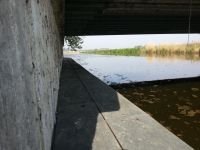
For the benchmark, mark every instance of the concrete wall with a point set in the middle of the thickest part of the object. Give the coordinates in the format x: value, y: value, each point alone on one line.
x: 30, y: 62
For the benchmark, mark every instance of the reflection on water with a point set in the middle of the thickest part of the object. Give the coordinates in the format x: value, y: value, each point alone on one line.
x: 194, y: 57
x: 175, y: 105
x: 127, y: 69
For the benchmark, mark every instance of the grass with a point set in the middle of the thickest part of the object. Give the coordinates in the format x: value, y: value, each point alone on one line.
x: 152, y: 50
x: 122, y: 52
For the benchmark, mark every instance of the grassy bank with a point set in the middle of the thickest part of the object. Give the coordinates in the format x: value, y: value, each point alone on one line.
x: 159, y: 50
x: 123, y: 52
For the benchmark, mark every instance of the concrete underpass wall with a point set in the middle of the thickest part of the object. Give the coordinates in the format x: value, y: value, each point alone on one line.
x: 30, y: 63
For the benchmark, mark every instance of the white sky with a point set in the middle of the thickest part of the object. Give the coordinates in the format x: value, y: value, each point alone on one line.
x: 129, y: 41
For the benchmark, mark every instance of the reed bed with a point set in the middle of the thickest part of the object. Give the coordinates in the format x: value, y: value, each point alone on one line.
x: 169, y: 49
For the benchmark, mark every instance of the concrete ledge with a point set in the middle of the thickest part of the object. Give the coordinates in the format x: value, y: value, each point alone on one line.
x: 91, y: 115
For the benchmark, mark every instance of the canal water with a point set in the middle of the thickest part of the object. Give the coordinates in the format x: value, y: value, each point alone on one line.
x: 173, y: 103
x: 176, y: 105
x: 129, y: 69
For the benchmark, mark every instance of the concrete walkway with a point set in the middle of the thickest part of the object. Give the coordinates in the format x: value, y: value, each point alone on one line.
x: 91, y: 115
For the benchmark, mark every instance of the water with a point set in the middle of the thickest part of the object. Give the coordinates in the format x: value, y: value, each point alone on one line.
x: 128, y: 69
x: 175, y: 105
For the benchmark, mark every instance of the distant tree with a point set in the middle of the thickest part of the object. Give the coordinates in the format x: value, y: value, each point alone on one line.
x: 74, y: 42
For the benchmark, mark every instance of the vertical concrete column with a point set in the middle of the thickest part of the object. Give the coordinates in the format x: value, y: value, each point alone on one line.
x: 30, y: 63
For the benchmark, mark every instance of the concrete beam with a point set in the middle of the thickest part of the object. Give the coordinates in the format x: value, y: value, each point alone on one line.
x: 165, y: 15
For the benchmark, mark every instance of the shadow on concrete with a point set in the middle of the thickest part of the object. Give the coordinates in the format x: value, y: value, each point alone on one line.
x: 82, y: 100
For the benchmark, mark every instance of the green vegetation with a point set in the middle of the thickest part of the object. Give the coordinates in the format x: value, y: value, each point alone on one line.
x: 152, y: 50
x: 123, y: 52
x: 73, y: 42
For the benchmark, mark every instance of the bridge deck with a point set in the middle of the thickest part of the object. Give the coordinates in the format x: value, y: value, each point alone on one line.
x: 112, y: 17
x: 91, y: 115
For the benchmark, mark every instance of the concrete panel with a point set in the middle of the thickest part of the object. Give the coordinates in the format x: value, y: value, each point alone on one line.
x: 30, y: 62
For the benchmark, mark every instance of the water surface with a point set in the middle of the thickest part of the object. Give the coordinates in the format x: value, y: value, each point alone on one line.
x: 175, y: 105
x: 128, y: 69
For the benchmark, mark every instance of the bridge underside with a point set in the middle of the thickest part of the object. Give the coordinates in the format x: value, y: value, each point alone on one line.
x: 111, y: 17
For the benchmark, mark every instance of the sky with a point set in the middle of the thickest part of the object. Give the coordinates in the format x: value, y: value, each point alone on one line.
x: 129, y: 41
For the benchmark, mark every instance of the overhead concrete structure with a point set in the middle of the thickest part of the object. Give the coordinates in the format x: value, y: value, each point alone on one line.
x: 111, y: 17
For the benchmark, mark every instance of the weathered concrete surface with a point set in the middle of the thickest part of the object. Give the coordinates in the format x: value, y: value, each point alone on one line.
x: 58, y: 8
x: 30, y: 62
x: 77, y: 117
x: 91, y: 115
